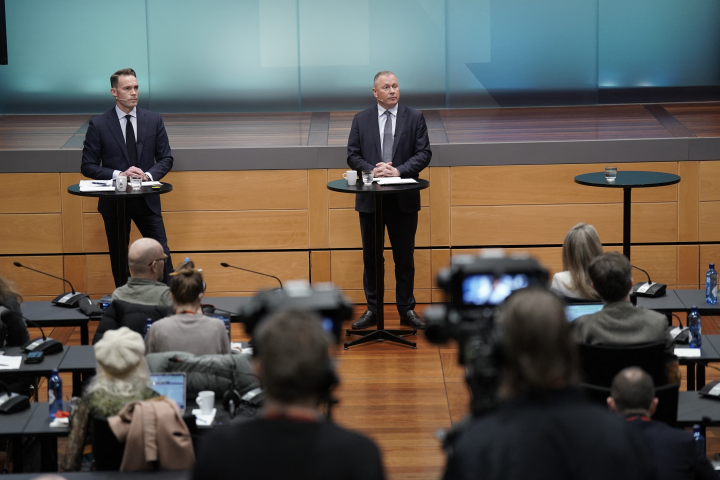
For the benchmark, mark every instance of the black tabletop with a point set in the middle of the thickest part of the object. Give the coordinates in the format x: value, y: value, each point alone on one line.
x: 39, y: 422
x: 129, y: 192
x: 696, y: 298
x: 375, y: 189
x: 45, y: 311
x: 49, y: 363
x: 627, y: 179
x: 669, y: 302
x: 692, y: 408
x: 79, y: 359
x: 14, y: 423
x: 227, y: 304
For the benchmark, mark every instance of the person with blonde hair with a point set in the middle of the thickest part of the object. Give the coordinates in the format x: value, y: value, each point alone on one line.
x: 122, y: 377
x: 580, y: 247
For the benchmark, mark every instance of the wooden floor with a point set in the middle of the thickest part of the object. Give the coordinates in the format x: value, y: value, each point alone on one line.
x: 397, y: 396
x: 236, y: 130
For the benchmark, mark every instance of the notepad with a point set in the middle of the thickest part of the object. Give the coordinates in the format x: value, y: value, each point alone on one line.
x: 688, y: 352
x: 10, y: 363
x: 394, y: 180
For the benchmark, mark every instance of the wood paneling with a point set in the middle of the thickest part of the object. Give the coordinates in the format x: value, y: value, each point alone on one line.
x: 94, y: 236
x: 347, y: 269
x: 72, y: 217
x: 320, y: 266
x: 318, y: 208
x: 709, y: 181
x: 31, y: 233
x: 29, y: 192
x: 31, y: 283
x: 74, y: 271
x: 688, y: 264
x: 440, y: 206
x: 440, y: 258
x: 98, y: 275
x: 237, y: 190
x: 688, y: 197
x: 345, y: 229
x: 708, y: 254
x: 709, y: 221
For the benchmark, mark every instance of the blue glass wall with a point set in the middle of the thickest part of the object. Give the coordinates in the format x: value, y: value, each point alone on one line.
x: 319, y: 55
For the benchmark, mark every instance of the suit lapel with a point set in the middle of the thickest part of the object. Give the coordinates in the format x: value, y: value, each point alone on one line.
x: 376, y: 131
x: 142, y: 124
x: 114, y: 123
x: 399, y: 126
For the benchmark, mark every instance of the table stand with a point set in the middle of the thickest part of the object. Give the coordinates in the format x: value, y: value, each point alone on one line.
x: 380, y: 334
x: 122, y: 241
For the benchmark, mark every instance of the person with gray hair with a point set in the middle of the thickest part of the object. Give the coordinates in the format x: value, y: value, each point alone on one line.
x: 291, y: 440
x: 146, y: 261
x: 674, y: 450
x: 544, y: 428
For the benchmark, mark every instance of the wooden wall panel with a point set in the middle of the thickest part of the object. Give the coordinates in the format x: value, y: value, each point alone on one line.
x: 237, y: 190
x: 31, y: 283
x: 318, y: 208
x: 709, y: 181
x: 94, y: 236
x: 708, y: 254
x: 31, y: 233
x: 688, y: 198
x: 345, y: 229
x: 440, y: 258
x: 98, y: 275
x: 547, y: 184
x: 440, y: 206
x: 689, y: 265
x: 347, y: 269
x: 72, y: 217
x: 74, y: 271
x: 709, y: 221
x: 320, y: 266
x: 30, y: 192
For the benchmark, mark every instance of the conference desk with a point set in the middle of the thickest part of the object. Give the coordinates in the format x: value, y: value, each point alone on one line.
x: 231, y: 305
x: 34, y: 421
x: 45, y: 314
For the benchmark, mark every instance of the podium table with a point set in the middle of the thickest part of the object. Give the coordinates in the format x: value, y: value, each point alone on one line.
x: 378, y: 192
x: 627, y: 181
x: 122, y: 233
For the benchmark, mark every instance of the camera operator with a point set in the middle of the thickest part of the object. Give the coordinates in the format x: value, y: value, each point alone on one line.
x: 543, y: 428
x: 291, y: 440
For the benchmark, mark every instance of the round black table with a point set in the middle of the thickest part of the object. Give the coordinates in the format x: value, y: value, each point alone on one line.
x: 121, y: 197
x: 377, y: 191
x: 627, y: 181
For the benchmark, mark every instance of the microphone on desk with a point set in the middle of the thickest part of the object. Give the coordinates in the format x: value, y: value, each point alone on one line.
x: 70, y: 300
x: 45, y: 344
x: 252, y: 271
x: 649, y: 289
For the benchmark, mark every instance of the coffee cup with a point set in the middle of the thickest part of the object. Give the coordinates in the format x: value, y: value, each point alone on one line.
x: 121, y: 183
x: 351, y: 177
x: 206, y: 401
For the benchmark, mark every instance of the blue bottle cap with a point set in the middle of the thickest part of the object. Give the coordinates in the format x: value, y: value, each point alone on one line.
x: 712, y: 265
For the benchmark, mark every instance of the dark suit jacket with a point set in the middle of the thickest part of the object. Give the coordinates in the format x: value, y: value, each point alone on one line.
x: 676, y: 455
x: 411, y: 151
x: 104, y: 151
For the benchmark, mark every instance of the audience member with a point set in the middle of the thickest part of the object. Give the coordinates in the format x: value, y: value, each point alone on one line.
x: 121, y: 377
x: 146, y: 261
x: 188, y: 330
x: 580, y: 247
x: 674, y: 450
x: 544, y: 428
x: 291, y: 440
x: 620, y: 322
x: 14, y: 329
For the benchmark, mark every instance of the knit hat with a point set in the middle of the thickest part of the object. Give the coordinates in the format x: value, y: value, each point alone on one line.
x: 120, y: 351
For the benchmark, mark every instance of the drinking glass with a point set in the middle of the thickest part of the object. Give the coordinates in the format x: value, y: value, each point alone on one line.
x: 610, y: 174
x: 136, y: 182
x: 367, y: 176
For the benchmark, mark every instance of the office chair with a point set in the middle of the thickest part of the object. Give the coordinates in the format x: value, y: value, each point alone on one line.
x: 600, y: 363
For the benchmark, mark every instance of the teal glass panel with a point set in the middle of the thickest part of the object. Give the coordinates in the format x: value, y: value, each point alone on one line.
x: 61, y: 54
x: 223, y: 55
x: 659, y: 43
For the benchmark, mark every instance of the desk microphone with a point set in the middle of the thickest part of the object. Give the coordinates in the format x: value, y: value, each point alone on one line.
x: 45, y: 344
x: 649, y: 289
x: 70, y: 300
x: 252, y: 271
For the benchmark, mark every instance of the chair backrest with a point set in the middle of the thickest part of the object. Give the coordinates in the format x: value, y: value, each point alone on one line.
x: 600, y: 363
x: 107, y: 450
x: 667, y: 400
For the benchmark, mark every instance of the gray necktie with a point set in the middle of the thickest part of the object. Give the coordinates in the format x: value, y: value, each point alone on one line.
x: 388, y: 138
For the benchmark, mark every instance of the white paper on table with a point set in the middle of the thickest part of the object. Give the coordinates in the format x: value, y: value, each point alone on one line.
x: 395, y: 180
x: 150, y: 184
x: 96, y: 186
x: 204, y: 419
x: 10, y: 363
x: 60, y: 422
x: 688, y: 352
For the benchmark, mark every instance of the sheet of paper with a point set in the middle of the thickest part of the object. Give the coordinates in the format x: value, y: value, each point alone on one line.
x: 395, y: 181
x: 688, y: 352
x: 204, y: 419
x: 10, y: 363
x: 150, y: 184
x: 96, y: 188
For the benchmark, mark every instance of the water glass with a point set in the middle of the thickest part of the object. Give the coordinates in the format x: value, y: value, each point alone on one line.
x: 367, y: 176
x: 610, y: 174
x: 136, y: 181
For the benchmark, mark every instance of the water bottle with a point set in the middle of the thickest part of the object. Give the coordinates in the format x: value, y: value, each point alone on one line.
x: 55, y: 393
x: 699, y: 439
x: 694, y: 326
x: 711, y: 285
x: 148, y: 324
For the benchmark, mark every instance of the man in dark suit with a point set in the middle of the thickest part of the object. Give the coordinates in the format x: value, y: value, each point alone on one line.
x: 675, y: 452
x: 129, y: 141
x: 391, y: 140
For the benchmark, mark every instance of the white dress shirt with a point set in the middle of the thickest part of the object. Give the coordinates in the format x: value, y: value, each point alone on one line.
x: 383, y: 118
x: 123, y: 127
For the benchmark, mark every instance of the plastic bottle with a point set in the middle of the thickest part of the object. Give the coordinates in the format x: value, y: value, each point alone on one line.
x: 55, y: 395
x: 711, y: 284
x: 694, y: 326
x: 699, y: 439
x: 148, y: 324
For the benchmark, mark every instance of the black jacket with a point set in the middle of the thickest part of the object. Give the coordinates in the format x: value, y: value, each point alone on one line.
x: 130, y: 315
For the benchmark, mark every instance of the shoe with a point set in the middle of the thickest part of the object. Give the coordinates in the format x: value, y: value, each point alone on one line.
x: 367, y: 319
x: 412, y: 320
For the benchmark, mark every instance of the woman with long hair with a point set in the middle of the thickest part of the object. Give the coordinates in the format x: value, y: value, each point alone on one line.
x: 580, y: 247
x: 122, y: 377
x: 15, y: 332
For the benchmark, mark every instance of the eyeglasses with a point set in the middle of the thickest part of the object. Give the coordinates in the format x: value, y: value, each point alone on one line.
x: 158, y: 260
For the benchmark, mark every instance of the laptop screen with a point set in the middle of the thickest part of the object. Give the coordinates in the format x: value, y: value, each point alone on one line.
x: 226, y: 321
x: 172, y: 385
x: 579, y: 309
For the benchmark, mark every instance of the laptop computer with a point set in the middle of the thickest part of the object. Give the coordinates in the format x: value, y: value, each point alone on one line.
x: 226, y: 321
x: 579, y: 309
x: 172, y: 385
